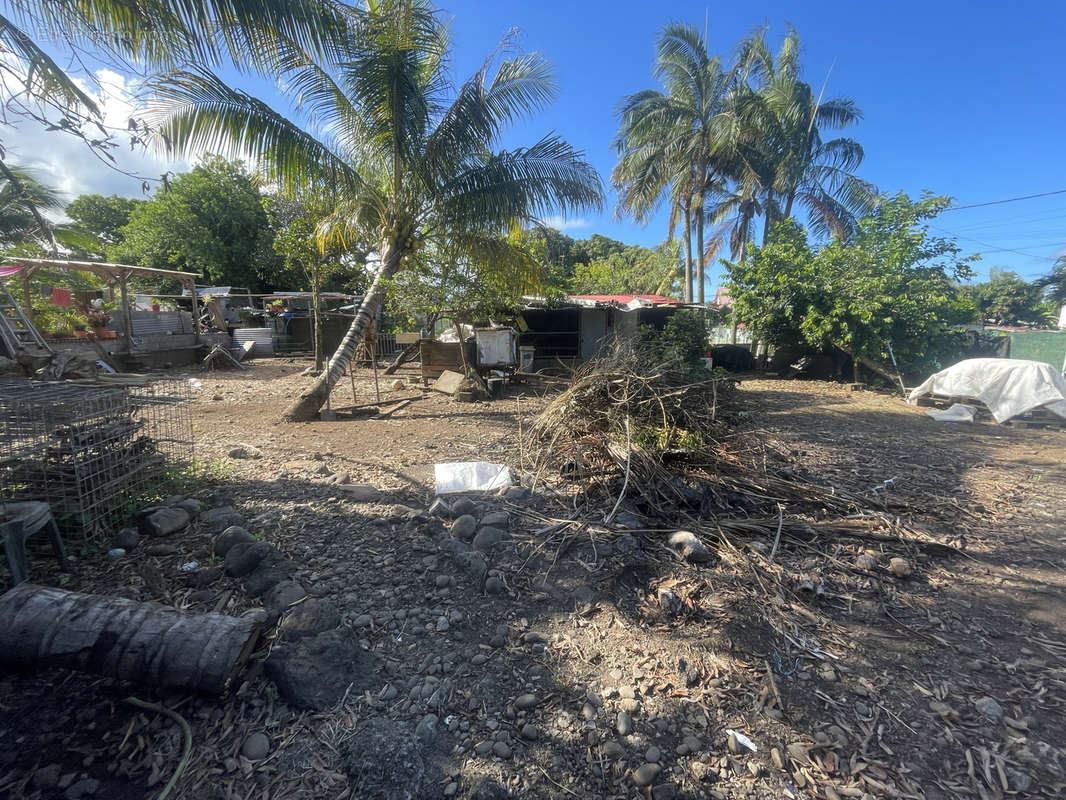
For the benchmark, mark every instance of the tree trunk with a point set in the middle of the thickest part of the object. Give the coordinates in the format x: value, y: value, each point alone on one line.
x: 788, y: 204
x: 701, y: 257
x: 766, y: 220
x: 316, y: 305
x: 146, y: 642
x: 408, y: 354
x: 687, y: 294
x: 306, y: 406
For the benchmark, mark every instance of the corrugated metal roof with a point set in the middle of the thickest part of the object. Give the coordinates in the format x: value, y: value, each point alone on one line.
x: 625, y: 299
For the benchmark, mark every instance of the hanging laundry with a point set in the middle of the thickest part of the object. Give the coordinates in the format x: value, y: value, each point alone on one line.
x: 61, y: 297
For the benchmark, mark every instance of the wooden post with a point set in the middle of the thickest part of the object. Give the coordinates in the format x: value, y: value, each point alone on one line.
x: 196, y: 327
x: 127, y: 317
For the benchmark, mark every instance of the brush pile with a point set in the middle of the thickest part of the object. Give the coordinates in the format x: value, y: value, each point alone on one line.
x: 673, y: 444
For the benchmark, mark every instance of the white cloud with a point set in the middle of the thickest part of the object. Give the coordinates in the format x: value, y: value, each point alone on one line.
x: 66, y: 163
x: 562, y: 224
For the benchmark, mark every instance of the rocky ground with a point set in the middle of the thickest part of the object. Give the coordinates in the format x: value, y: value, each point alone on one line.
x: 507, y: 646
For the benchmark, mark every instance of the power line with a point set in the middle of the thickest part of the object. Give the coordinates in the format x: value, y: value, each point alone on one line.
x: 995, y: 249
x: 1008, y: 200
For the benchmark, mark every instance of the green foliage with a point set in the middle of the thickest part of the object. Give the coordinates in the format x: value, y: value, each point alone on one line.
x: 682, y: 343
x: 632, y: 270
x: 1054, y: 284
x: 101, y: 218
x: 209, y: 221
x: 302, y: 262
x: 1008, y: 299
x: 890, y: 283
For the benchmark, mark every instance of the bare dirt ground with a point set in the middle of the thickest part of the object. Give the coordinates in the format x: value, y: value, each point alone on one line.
x: 579, y: 660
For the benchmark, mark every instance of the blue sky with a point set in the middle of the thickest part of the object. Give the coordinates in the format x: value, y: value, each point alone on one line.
x: 965, y: 99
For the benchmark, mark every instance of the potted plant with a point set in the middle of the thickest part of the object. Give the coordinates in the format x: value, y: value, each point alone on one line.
x: 98, y: 321
x: 79, y: 330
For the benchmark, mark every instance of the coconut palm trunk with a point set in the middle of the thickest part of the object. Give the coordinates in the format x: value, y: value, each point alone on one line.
x: 688, y: 256
x: 308, y: 404
x: 701, y: 257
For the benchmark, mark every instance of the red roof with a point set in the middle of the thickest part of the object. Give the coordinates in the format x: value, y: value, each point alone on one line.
x: 622, y: 299
x: 722, y: 298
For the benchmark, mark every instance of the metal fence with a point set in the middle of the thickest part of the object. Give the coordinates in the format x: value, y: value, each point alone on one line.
x: 90, y: 451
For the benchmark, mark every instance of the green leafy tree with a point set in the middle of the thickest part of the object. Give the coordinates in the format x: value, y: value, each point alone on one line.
x: 101, y: 218
x: 410, y: 158
x: 209, y: 221
x: 631, y: 270
x: 891, y: 284
x: 1008, y: 299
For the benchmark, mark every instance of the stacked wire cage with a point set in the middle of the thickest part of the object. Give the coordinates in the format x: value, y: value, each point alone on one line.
x: 88, y: 451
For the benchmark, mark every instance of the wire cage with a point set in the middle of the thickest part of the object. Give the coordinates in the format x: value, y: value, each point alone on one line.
x: 89, y: 451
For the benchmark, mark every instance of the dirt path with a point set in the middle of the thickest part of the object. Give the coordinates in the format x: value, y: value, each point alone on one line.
x: 566, y: 662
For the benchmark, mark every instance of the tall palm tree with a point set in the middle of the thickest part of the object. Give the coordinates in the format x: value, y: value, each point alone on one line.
x: 784, y: 151
x: 669, y: 141
x: 409, y: 158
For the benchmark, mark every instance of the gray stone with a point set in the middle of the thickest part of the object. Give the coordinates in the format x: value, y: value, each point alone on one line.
x: 161, y: 549
x: 47, y: 777
x: 464, y: 505
x: 473, y: 564
x: 165, y: 521
x: 488, y: 538
x: 483, y: 748
x: 494, y: 585
x: 653, y: 754
x: 629, y: 520
x: 524, y: 702
x: 245, y: 451
x: 205, y: 577
x: 612, y: 750
x: 316, y: 671
x: 256, y: 747
x: 688, y: 545
x: 126, y: 538
x: 363, y: 621
x: 231, y: 536
x: 990, y: 708
x: 359, y: 493
x: 215, y: 514
x: 202, y: 596
x: 191, y: 505
x: 530, y: 732
x: 116, y: 554
x: 645, y: 774
x: 86, y: 787
x: 284, y: 595
x: 1018, y: 781
x: 242, y: 558
x: 464, y: 527
x: 496, y: 519
x: 264, y: 578
x: 624, y: 723
x: 666, y: 791
x: 900, y: 567
x: 501, y: 749
x: 517, y: 494
x: 444, y: 581
x: 426, y: 729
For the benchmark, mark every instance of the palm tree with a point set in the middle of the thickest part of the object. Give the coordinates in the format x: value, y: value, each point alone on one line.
x: 669, y: 141
x: 783, y: 149
x: 408, y: 158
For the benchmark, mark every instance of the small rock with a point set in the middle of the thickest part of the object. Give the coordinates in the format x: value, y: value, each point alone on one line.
x: 426, y: 729
x: 629, y: 520
x: 494, y: 585
x: 645, y: 774
x: 624, y: 725
x: 47, y: 777
x: 451, y: 789
x: 126, y: 539
x: 866, y: 561
x: 284, y: 595
x: 525, y: 702
x: 664, y: 791
x: 778, y: 758
x: 464, y: 527
x: 116, y: 554
x: 588, y: 711
x: 358, y: 493
x: 444, y: 581
x: 363, y: 621
x: 86, y: 787
x: 496, y: 519
x: 501, y: 749
x: 688, y: 545
x: 900, y: 567
x: 245, y: 451
x: 256, y: 747
x: 487, y: 538
x: 397, y: 385
x: 530, y: 732
x: 990, y: 708
x: 161, y: 549
x: 205, y: 577
x: 443, y: 624
x: 192, y: 505
x: 464, y: 505
x: 693, y: 744
x: 612, y: 750
x: 439, y: 509
x: 202, y: 596
x: 1018, y: 781
x: 653, y: 755
x: 242, y: 558
x: 165, y: 521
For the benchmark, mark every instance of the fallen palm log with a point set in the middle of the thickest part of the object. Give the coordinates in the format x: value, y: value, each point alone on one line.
x: 408, y: 354
x: 149, y: 643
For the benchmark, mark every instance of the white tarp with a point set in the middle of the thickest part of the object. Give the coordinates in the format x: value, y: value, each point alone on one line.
x: 1007, y: 386
x: 470, y: 476
x: 959, y: 412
